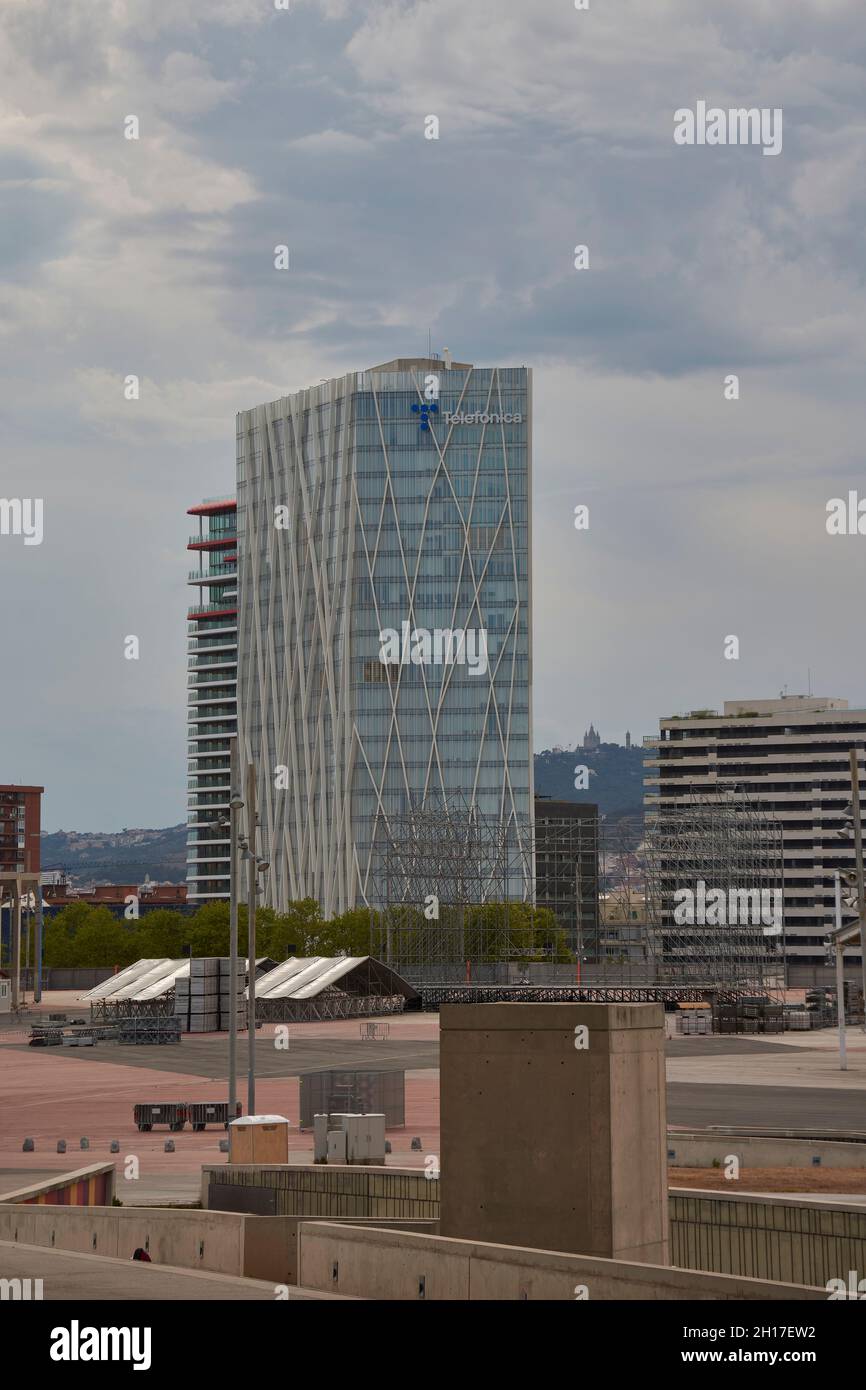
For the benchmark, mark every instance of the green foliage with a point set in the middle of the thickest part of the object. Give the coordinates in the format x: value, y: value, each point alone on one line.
x: 346, y: 935
x: 615, y: 777
x: 299, y: 929
x: 207, y: 930
x: 84, y: 935
x: 158, y: 933
x: 497, y: 931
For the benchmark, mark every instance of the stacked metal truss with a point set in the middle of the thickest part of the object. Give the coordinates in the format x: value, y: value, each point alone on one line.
x: 725, y: 840
x: 117, y: 1009
x: 203, y: 1001
x: 148, y: 1028
x: 329, y: 1005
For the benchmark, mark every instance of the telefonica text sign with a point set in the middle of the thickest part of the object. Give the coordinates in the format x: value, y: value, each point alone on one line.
x: 478, y: 417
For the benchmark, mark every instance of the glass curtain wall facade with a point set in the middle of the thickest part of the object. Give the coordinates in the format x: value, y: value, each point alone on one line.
x: 211, y: 697
x: 384, y: 626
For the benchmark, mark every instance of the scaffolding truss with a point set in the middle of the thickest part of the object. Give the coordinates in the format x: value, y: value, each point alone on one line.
x: 440, y: 869
x: 452, y: 911
x: 714, y: 893
x: 328, y: 1006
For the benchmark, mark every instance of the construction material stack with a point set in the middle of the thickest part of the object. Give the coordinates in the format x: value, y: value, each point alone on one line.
x: 181, y: 1002
x: 226, y: 1002
x: 204, y: 1000
x: 204, y: 994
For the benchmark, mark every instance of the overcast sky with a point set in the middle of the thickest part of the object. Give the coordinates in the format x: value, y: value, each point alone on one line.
x: 260, y: 127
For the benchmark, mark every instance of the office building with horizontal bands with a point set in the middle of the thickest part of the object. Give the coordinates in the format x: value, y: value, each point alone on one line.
x: 211, y: 696
x: 566, y: 869
x: 790, y: 757
x: 384, y: 626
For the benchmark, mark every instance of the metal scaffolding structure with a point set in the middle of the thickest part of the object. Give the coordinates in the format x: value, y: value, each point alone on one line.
x: 447, y: 875
x: 447, y: 917
x: 714, y: 885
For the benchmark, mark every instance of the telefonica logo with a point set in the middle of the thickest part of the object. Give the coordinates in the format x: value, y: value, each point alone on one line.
x: 478, y: 417
x: 425, y: 411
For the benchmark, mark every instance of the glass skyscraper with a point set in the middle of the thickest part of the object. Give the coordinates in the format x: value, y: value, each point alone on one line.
x: 384, y: 630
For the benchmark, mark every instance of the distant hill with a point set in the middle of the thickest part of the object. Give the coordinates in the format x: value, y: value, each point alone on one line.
x: 615, y: 777
x: 128, y: 856
x: 125, y: 856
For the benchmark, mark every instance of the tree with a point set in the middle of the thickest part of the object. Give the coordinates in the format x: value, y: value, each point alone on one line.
x: 58, y: 945
x: 299, y: 927
x: 207, y: 930
x: 346, y: 935
x: 103, y: 940
x: 160, y: 933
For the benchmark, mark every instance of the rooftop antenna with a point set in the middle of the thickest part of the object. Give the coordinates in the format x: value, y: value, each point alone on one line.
x: 809, y: 678
x: 429, y: 344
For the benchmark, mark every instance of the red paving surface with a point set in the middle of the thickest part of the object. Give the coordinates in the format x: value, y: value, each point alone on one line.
x: 46, y: 1095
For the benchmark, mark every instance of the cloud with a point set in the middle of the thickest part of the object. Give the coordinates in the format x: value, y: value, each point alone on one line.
x: 155, y: 258
x: 325, y: 142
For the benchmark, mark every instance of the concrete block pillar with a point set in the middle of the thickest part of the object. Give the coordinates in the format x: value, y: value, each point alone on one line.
x: 553, y: 1127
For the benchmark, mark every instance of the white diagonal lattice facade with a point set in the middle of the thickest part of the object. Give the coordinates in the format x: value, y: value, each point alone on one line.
x: 392, y: 501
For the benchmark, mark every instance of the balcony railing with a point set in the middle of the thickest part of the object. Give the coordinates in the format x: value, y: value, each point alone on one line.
x: 212, y: 576
x: 211, y: 645
x: 203, y: 608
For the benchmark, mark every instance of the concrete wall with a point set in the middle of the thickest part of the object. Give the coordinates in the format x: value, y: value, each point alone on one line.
x: 271, y: 1248
x: 402, y: 1194
x: 780, y: 1238
x: 189, y: 1239
x: 799, y: 1240
x: 92, y: 1186
x: 699, y: 1150
x: 257, y: 1247
x: 552, y: 1145
x: 394, y: 1265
